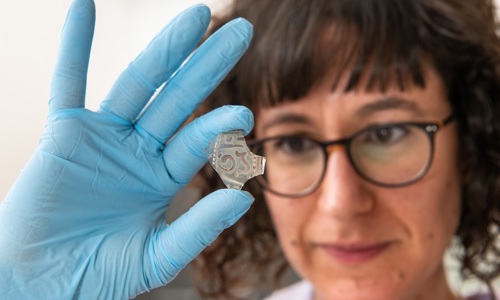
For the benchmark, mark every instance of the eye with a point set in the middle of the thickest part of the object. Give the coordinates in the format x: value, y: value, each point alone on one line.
x: 294, y: 145
x: 386, y: 136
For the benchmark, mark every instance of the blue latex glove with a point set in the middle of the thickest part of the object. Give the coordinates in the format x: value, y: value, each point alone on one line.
x: 86, y: 217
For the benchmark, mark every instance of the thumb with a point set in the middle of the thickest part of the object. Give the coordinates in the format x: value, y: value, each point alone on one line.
x: 181, y: 242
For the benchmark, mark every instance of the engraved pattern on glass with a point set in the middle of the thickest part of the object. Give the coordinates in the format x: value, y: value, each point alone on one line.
x: 231, y: 158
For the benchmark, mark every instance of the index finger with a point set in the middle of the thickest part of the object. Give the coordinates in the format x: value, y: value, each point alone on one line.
x: 69, y: 80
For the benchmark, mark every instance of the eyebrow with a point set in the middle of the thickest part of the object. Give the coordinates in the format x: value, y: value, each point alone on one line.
x: 287, y: 118
x: 386, y: 104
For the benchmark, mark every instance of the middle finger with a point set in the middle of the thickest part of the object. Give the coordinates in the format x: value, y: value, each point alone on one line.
x: 196, y: 80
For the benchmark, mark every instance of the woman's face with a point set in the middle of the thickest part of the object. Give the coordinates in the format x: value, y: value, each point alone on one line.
x: 350, y: 238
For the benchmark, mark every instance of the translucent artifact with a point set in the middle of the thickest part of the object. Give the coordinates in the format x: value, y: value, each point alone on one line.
x: 231, y: 158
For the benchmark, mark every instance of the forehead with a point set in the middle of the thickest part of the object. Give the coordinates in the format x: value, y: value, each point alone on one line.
x: 324, y: 105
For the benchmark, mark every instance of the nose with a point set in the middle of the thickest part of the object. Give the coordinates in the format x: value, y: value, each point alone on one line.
x: 343, y: 193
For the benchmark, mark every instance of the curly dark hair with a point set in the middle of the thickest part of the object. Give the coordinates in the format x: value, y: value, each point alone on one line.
x: 297, y: 43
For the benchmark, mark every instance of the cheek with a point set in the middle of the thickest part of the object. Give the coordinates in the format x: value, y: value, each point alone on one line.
x: 444, y: 193
x: 286, y: 217
x: 432, y: 210
x: 435, y: 200
x: 290, y: 218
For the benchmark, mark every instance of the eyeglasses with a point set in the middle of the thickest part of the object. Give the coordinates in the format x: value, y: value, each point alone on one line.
x: 388, y: 155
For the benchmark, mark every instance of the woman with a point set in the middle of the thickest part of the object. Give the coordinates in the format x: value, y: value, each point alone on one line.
x: 379, y: 121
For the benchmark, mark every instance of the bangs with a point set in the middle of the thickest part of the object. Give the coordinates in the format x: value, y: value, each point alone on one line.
x: 367, y: 44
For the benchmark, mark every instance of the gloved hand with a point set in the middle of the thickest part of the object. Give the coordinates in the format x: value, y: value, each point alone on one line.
x: 86, y: 217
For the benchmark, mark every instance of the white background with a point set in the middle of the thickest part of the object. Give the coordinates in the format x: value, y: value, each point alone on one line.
x: 29, y: 38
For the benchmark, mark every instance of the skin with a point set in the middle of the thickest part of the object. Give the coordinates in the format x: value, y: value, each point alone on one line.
x: 413, y: 225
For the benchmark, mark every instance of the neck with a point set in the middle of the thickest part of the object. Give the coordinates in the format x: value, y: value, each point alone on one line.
x: 434, y: 287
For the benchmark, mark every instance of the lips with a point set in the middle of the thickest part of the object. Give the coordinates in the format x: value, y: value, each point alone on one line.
x: 355, y: 253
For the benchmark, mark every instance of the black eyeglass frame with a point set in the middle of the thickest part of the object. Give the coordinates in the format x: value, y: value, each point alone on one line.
x: 431, y: 128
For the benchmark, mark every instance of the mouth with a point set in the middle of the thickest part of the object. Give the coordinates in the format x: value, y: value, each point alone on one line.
x: 353, y: 254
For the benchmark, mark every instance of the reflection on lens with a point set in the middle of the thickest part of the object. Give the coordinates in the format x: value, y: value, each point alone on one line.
x: 294, y: 165
x: 396, y: 162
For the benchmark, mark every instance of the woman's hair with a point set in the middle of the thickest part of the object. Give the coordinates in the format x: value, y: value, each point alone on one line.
x: 298, y: 43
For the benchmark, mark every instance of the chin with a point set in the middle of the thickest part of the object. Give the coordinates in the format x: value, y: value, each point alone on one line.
x: 359, y: 287
x: 353, y: 291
